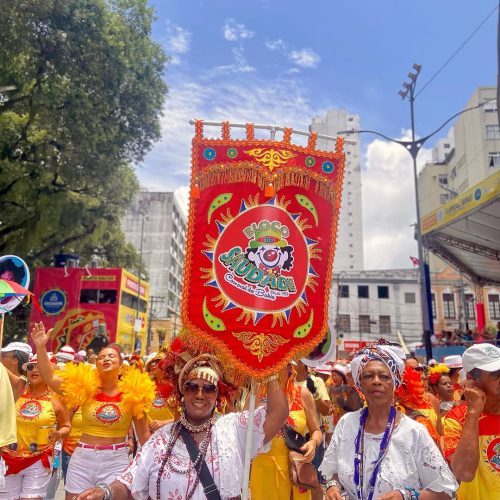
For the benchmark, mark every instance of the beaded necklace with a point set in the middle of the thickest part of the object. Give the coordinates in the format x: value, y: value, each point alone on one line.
x: 359, y: 453
x: 200, y: 458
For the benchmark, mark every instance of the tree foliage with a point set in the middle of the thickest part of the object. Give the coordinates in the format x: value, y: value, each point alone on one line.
x: 86, y: 109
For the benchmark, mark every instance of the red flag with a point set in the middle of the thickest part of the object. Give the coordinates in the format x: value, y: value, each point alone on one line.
x: 414, y: 261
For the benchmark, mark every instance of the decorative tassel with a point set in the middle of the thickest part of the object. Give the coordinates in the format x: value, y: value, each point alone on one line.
x: 269, y: 191
x: 195, y: 192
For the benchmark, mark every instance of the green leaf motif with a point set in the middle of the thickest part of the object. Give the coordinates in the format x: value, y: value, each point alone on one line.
x: 305, y: 202
x: 212, y: 321
x: 218, y: 202
x: 303, y: 331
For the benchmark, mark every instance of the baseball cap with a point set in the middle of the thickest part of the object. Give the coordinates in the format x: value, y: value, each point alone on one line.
x: 66, y: 353
x: 34, y: 360
x: 453, y: 361
x: 18, y: 346
x: 324, y: 369
x: 432, y: 362
x: 340, y: 368
x: 483, y: 356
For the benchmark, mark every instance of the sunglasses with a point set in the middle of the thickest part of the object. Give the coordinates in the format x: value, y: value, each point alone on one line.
x: 31, y: 366
x: 192, y: 388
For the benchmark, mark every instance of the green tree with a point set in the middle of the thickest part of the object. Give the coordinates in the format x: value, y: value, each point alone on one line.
x: 86, y: 109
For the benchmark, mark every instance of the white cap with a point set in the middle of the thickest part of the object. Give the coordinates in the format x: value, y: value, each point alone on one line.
x: 337, y: 367
x: 66, y: 353
x: 483, y: 356
x: 82, y: 353
x: 453, y: 361
x: 432, y: 362
x: 324, y: 369
x: 18, y: 346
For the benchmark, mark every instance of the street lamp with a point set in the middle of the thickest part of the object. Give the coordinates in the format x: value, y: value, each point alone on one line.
x: 137, y: 324
x: 413, y: 147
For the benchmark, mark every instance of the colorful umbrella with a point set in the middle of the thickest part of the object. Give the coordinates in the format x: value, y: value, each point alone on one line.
x: 11, y: 291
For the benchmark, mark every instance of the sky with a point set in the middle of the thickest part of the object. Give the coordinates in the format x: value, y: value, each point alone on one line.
x: 284, y: 62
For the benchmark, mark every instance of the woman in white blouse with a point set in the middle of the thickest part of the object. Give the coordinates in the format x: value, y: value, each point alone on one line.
x: 377, y: 453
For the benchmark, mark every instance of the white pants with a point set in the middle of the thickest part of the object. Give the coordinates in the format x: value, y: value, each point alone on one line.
x: 87, y: 468
x: 29, y: 483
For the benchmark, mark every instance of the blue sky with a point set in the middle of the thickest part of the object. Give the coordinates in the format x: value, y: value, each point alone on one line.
x: 284, y: 62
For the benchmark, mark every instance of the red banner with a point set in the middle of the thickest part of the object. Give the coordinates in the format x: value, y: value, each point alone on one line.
x: 260, y: 246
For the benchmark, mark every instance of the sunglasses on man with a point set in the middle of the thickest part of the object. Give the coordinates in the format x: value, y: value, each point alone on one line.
x: 192, y: 388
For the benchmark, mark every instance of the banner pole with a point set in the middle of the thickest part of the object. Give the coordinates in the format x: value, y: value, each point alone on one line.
x: 248, y: 443
x: 1, y: 328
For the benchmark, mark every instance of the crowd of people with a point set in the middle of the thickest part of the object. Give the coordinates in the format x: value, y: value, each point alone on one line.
x: 465, y: 337
x: 173, y: 425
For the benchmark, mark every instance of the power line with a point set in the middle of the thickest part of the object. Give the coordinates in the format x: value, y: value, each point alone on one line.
x: 462, y: 45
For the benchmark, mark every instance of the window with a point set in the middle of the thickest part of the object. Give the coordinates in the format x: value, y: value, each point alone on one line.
x: 410, y: 298
x: 363, y: 292
x: 384, y: 324
x: 491, y: 106
x: 494, y: 159
x: 364, y: 324
x: 446, y: 145
x: 443, y: 179
x: 383, y: 292
x: 433, y: 303
x: 448, y: 306
x: 443, y: 198
x: 344, y: 323
x: 492, y: 131
x: 469, y: 306
x: 129, y: 300
x: 494, y: 306
x: 94, y: 296
x: 344, y: 291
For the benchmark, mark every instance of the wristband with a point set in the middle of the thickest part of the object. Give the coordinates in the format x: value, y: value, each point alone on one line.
x: 333, y: 483
x: 108, y: 494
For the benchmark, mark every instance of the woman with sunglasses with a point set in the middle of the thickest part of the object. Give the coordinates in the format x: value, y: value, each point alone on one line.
x: 165, y: 468
x: 41, y: 421
x: 108, y: 405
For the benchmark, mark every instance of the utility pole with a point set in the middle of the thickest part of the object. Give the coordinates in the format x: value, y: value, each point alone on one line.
x: 153, y: 300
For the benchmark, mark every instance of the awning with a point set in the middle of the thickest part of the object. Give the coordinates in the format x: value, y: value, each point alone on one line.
x: 465, y: 232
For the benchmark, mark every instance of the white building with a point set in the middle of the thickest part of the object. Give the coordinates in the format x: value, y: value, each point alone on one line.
x: 161, y: 220
x: 349, y: 250
x: 366, y: 305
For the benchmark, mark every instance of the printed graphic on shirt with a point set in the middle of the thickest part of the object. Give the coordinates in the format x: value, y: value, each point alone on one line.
x: 108, y: 413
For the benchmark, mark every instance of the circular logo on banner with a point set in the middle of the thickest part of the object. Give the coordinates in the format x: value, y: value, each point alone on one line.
x: 261, y: 260
x: 53, y: 302
x: 493, y: 453
x: 30, y: 409
x: 13, y: 268
x: 108, y: 413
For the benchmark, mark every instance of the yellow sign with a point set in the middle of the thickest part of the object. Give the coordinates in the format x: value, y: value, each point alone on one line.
x: 468, y: 201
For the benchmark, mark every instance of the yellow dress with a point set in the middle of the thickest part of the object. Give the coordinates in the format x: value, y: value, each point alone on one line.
x: 270, y: 475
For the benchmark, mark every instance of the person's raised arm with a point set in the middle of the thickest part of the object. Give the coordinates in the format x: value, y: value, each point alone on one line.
x: 40, y: 338
x: 277, y: 408
x: 465, y: 459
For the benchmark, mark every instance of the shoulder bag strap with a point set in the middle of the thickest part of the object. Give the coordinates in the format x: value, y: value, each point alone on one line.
x: 206, y: 478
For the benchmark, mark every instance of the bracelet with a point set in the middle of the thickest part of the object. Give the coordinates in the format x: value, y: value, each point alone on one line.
x: 271, y: 378
x: 404, y: 494
x: 333, y: 483
x: 414, y: 494
x: 108, y: 493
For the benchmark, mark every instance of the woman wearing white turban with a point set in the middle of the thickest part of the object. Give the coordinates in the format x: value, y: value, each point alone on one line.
x: 378, y: 453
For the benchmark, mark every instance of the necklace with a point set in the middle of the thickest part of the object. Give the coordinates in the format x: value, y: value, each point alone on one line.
x: 359, y: 453
x: 194, y: 429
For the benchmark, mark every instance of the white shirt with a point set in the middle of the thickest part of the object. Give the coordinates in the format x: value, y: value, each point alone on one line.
x: 224, y: 458
x: 412, y: 459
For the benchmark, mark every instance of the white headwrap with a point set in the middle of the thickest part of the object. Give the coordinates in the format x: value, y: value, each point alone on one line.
x: 392, y: 356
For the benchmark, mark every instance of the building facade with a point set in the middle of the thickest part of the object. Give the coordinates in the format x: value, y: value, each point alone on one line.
x: 366, y: 305
x: 349, y: 250
x: 159, y: 219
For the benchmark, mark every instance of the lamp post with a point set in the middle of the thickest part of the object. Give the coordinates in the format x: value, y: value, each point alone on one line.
x: 413, y: 147
x: 137, y: 325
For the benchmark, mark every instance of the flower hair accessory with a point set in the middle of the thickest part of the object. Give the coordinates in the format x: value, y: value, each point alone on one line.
x: 436, y: 372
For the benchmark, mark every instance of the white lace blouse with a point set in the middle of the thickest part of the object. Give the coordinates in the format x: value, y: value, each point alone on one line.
x: 412, y: 459
x: 225, y: 456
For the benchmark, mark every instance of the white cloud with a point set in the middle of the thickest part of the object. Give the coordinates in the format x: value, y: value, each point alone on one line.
x: 178, y: 39
x: 305, y: 58
x: 234, y: 31
x: 280, y: 102
x: 388, y: 199
x: 278, y: 44
x: 240, y: 64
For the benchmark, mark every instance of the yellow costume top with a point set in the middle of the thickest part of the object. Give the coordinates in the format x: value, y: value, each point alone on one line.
x: 103, y: 416
x: 160, y: 410
x: 8, y: 412
x: 35, y: 418
x: 270, y: 470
